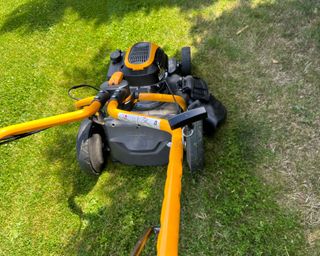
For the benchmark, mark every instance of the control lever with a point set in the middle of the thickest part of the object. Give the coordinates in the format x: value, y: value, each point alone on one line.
x: 187, y: 118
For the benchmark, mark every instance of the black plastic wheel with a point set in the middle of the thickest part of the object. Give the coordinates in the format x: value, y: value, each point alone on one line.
x: 91, y: 148
x: 186, y: 61
x: 194, y: 147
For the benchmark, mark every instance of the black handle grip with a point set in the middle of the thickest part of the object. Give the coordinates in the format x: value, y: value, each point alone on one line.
x: 187, y: 117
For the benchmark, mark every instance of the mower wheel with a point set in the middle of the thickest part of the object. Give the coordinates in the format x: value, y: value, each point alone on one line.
x: 186, y: 61
x: 91, y: 148
x: 194, y: 147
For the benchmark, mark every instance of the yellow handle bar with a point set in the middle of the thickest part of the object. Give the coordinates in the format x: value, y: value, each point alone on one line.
x: 50, y: 121
x: 143, y: 97
x: 168, y: 239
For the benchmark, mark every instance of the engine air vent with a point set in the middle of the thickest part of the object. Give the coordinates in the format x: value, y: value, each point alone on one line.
x: 139, y: 53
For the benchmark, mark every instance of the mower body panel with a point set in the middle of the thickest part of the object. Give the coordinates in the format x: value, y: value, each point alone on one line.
x: 139, y: 145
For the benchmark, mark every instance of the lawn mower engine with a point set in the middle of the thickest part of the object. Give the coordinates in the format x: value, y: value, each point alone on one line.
x: 147, y: 69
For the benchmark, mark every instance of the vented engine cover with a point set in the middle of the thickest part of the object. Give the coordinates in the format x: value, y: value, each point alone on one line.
x: 140, y: 54
x: 144, y: 64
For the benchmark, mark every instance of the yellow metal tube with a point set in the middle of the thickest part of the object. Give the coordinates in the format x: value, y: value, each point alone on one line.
x: 116, y: 113
x: 142, y: 97
x: 167, y: 243
x: 137, y: 251
x: 50, y: 121
x: 168, y: 240
x: 163, y: 98
x: 83, y: 102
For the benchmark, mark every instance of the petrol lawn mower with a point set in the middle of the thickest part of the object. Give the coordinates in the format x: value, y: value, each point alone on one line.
x: 147, y: 112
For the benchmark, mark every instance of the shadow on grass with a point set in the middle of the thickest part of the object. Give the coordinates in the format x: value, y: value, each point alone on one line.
x: 75, y: 182
x: 230, y: 210
x: 233, y: 210
x: 135, y: 201
x: 40, y: 15
x: 122, y: 204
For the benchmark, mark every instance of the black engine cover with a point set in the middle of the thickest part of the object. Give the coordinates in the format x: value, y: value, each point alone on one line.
x: 138, y: 55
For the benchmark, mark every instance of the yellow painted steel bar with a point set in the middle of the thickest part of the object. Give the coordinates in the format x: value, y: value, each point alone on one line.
x: 142, y: 97
x: 137, y: 251
x: 50, y: 121
x: 116, y: 113
x: 83, y: 102
x: 163, y: 98
x: 168, y: 240
x: 167, y: 243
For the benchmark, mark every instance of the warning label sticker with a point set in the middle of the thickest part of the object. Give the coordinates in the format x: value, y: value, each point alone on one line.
x: 141, y: 120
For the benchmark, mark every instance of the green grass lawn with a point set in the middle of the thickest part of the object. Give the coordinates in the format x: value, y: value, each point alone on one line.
x: 259, y: 194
